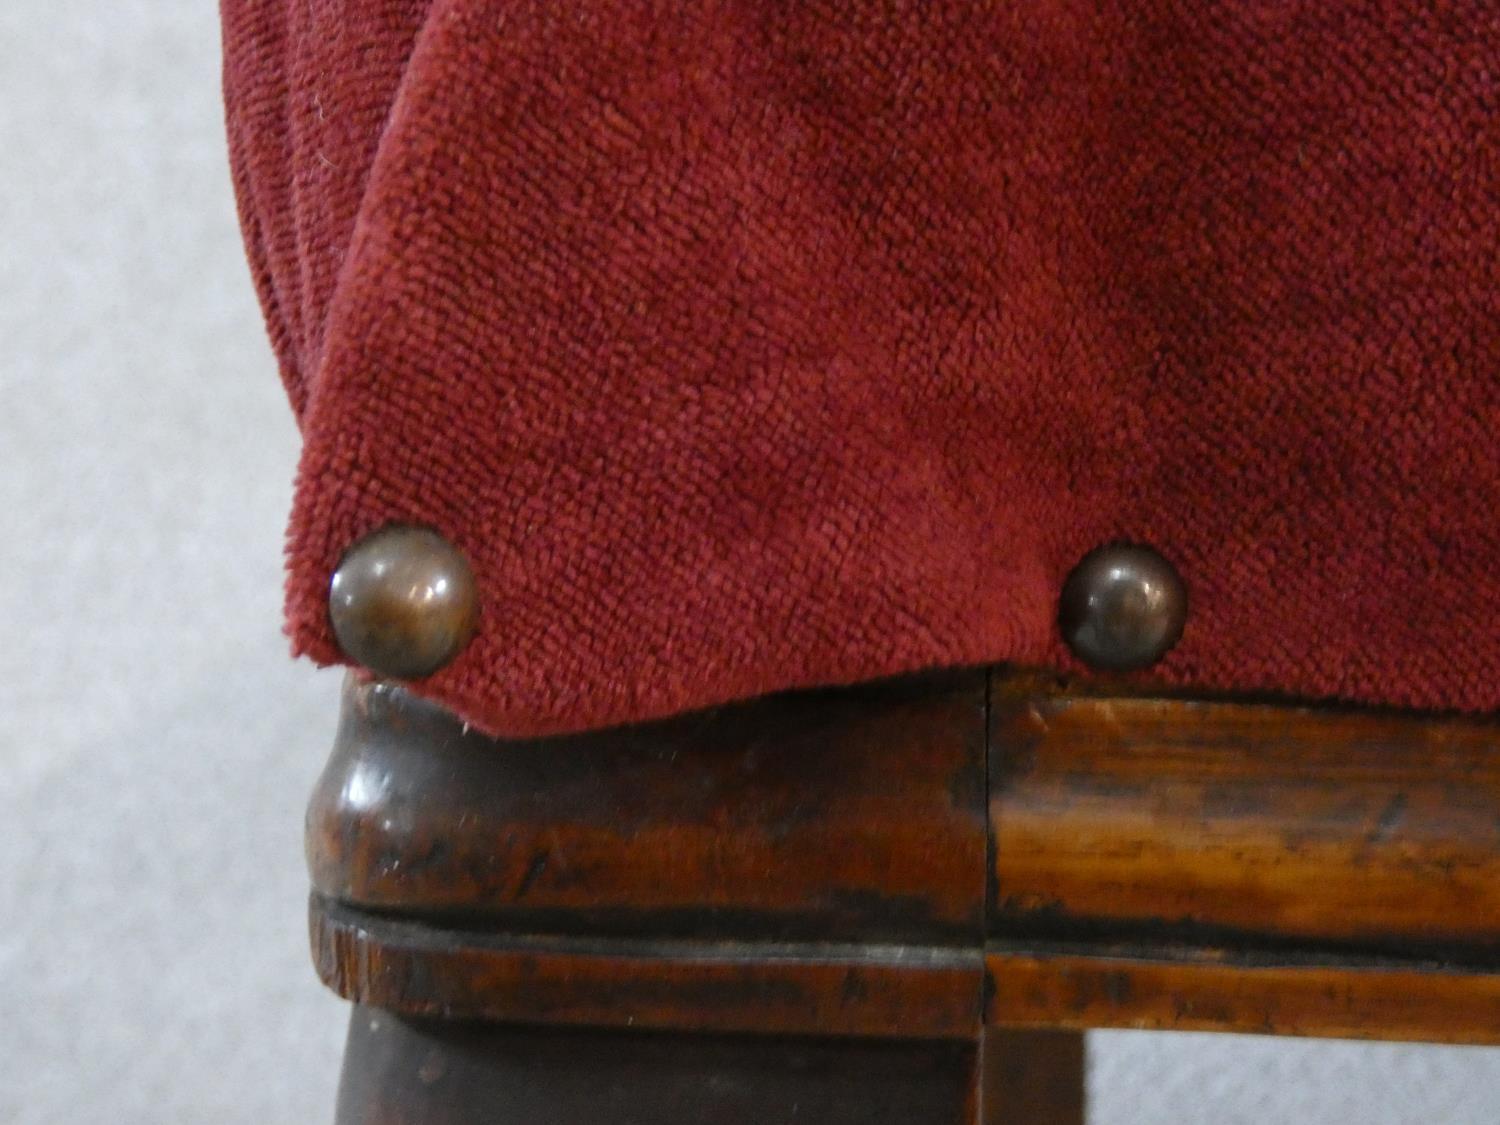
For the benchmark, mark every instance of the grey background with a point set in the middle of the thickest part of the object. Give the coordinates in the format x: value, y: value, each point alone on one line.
x: 156, y: 743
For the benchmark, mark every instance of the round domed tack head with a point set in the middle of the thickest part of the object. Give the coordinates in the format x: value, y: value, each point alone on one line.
x: 1122, y: 608
x: 403, y: 602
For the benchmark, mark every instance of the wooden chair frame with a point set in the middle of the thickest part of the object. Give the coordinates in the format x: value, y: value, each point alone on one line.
x: 901, y: 901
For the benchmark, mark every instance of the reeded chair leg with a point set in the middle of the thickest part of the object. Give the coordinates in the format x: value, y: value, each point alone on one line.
x: 403, y: 1072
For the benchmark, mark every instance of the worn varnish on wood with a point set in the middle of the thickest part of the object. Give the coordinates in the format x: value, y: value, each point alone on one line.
x: 914, y: 859
x: 1267, y: 826
x: 811, y: 988
x: 1215, y: 991
x: 841, y: 815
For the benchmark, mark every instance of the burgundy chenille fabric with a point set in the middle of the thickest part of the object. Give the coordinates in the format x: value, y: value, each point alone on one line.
x: 753, y: 344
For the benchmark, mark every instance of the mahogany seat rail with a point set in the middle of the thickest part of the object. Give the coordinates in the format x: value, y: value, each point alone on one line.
x: 902, y: 901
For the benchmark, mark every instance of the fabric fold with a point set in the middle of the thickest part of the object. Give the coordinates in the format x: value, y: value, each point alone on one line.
x: 744, y: 346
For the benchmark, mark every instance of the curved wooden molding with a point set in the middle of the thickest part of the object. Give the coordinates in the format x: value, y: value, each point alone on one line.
x: 912, y: 859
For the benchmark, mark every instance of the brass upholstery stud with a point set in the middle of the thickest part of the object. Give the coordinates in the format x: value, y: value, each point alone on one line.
x: 403, y: 602
x: 1122, y: 608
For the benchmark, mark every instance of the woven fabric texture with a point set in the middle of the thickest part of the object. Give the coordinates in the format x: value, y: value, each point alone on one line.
x: 746, y: 345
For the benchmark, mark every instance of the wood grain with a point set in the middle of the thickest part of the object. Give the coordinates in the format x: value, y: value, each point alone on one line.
x: 908, y: 859
x: 1241, y: 824
x: 853, y: 814
x: 1219, y: 992
x: 814, y: 988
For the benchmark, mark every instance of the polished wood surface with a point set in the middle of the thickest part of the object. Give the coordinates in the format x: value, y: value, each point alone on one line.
x: 1214, y: 991
x: 1242, y: 825
x: 1002, y: 858
x: 856, y: 815
x: 810, y: 988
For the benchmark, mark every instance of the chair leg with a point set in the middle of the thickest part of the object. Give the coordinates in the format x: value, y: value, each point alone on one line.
x: 404, y: 1072
x: 1033, y: 1077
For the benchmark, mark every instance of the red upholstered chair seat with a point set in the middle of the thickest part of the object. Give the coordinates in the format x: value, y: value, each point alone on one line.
x: 743, y: 346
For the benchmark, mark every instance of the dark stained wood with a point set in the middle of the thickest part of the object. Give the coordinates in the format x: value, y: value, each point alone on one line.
x: 1218, y: 992
x: 1032, y: 1077
x: 648, y: 916
x: 1246, y: 825
x: 854, y: 814
x: 427, y: 1073
x: 786, y: 988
